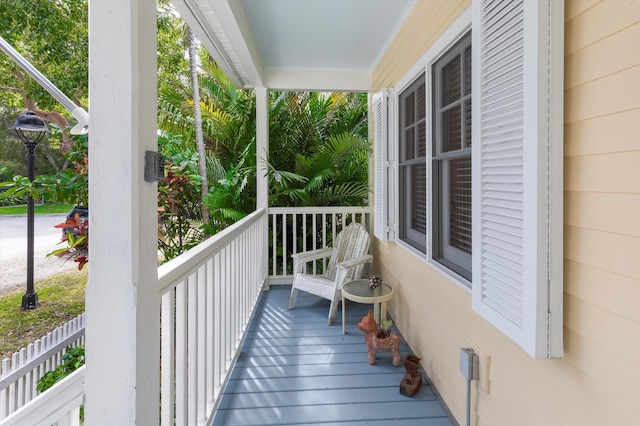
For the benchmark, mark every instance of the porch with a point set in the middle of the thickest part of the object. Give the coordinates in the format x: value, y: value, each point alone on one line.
x: 294, y: 369
x: 232, y: 353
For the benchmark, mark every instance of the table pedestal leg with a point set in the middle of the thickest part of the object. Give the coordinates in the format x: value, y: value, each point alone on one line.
x: 380, y: 312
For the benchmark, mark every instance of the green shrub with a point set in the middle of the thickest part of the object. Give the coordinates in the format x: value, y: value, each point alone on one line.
x: 8, y: 199
x: 71, y: 361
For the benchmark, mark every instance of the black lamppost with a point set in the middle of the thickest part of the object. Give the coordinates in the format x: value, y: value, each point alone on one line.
x: 30, y: 129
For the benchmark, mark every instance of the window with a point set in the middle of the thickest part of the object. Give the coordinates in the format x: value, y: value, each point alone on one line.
x: 513, y: 255
x: 451, y: 156
x: 412, y: 166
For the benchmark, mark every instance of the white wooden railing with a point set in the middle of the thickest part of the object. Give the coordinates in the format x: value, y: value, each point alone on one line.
x: 19, y: 375
x: 296, y: 229
x: 59, y: 405
x: 207, y: 295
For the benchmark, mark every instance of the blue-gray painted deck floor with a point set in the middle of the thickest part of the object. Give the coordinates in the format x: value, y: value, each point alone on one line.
x: 296, y: 370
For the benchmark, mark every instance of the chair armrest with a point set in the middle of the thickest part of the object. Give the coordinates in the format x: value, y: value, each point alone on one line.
x: 308, y: 256
x: 355, y: 262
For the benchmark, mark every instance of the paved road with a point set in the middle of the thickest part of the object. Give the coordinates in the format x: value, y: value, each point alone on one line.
x: 13, y: 249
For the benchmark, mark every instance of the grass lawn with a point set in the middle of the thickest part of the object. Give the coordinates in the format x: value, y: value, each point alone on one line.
x: 40, y: 209
x: 61, y: 299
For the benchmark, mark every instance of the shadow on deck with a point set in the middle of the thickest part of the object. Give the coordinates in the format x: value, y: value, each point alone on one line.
x: 296, y: 370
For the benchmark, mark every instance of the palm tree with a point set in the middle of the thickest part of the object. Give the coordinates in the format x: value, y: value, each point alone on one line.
x: 318, y: 151
x: 228, y: 127
x: 335, y: 174
x: 197, y: 123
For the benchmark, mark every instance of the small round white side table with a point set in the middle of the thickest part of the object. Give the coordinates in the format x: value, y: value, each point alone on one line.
x: 360, y: 292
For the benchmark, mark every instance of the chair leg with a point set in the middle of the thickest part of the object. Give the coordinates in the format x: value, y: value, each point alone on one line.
x: 293, y: 297
x: 333, y: 309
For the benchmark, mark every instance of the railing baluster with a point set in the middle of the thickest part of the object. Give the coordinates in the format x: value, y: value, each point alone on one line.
x: 274, y: 247
x: 225, y: 307
x: 217, y: 369
x: 210, y: 339
x: 200, y: 344
x: 284, y: 244
x: 181, y: 354
x: 192, y: 351
x: 314, y: 226
x: 167, y: 351
x: 294, y: 225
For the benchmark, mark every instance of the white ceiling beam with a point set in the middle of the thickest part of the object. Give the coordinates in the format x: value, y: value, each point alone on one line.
x: 224, y: 30
x: 318, y: 80
x: 237, y: 28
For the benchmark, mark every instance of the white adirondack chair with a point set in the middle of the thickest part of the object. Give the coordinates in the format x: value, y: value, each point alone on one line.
x: 347, y: 259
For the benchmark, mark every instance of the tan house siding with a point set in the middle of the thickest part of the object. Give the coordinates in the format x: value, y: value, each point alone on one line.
x: 425, y: 24
x: 597, y: 381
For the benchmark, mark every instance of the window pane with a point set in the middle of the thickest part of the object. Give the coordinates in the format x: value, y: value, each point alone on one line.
x: 467, y: 71
x: 421, y: 105
x: 413, y: 119
x: 409, y: 144
x: 419, y: 198
x: 451, y: 130
x: 409, y: 110
x: 422, y: 138
x: 460, y: 208
x: 467, y: 122
x: 451, y: 82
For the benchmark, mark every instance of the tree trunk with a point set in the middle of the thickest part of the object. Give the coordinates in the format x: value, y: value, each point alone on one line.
x: 197, y: 121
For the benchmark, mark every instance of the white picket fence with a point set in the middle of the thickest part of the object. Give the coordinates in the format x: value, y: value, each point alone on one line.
x: 19, y: 374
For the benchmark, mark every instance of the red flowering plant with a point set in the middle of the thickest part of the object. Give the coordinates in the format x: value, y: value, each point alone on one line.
x: 77, y: 239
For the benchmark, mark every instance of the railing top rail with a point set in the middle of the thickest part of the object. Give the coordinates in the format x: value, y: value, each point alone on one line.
x: 320, y: 209
x: 178, y: 268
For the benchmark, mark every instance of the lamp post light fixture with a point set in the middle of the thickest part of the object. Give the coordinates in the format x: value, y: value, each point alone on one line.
x: 30, y: 129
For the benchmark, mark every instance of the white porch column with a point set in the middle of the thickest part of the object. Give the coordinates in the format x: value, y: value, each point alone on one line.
x: 122, y: 305
x: 262, y: 146
x: 262, y: 153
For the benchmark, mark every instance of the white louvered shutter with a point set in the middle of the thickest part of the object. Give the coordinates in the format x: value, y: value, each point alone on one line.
x: 517, y: 170
x: 383, y: 187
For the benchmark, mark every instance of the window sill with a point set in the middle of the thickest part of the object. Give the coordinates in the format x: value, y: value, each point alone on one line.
x: 447, y: 273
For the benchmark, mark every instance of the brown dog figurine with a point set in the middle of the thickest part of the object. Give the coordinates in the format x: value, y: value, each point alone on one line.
x: 376, y: 341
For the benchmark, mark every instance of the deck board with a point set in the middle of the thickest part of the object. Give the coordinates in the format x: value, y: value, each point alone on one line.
x: 296, y: 370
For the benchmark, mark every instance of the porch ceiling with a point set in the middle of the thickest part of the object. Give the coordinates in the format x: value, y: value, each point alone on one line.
x: 296, y: 44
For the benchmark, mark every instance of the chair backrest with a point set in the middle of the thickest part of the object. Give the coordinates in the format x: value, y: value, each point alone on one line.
x: 352, y: 242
